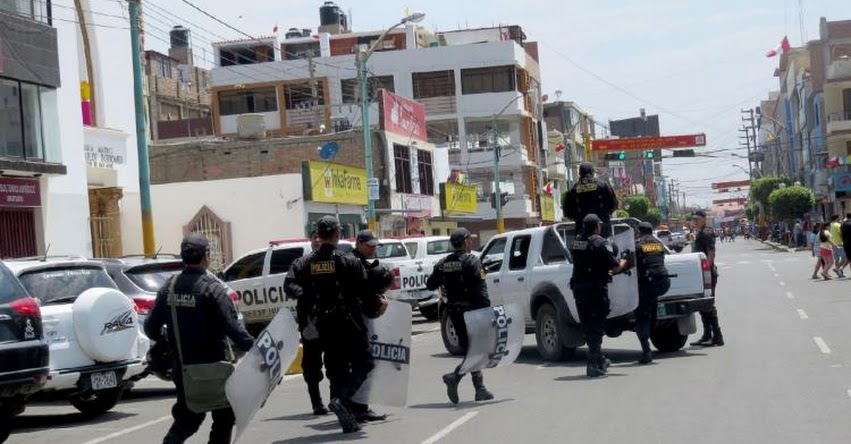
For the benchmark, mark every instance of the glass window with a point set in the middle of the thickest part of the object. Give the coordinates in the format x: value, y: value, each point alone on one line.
x: 412, y: 248
x: 260, y: 100
x: 434, y: 84
x: 439, y: 247
x: 426, y: 173
x: 10, y: 288
x: 250, y: 266
x: 487, y: 80
x: 21, y: 128
x: 283, y: 259
x: 63, y: 285
x: 32, y: 9
x: 152, y: 278
x: 165, y: 68
x: 350, y: 88
x: 33, y: 142
x: 385, y: 251
x: 494, y: 253
x: 299, y: 96
x: 402, y: 160
x: 519, y: 252
x: 552, y: 251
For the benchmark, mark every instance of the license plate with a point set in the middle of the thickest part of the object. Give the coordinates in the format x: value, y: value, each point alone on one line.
x: 661, y: 310
x: 104, y: 380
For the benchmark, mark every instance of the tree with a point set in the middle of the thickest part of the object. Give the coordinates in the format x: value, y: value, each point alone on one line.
x: 620, y: 214
x: 750, y: 211
x: 762, y: 188
x: 637, y: 206
x: 791, y: 203
x: 654, y: 216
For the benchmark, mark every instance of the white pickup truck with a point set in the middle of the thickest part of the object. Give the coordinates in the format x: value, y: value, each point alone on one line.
x: 412, y: 260
x: 532, y: 268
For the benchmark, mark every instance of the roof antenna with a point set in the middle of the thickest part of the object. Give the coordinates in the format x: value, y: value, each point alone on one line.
x: 157, y: 253
x: 46, y: 250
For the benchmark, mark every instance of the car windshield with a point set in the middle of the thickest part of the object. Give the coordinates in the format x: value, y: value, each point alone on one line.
x: 64, y: 284
x: 439, y: 247
x: 10, y: 289
x: 152, y: 277
x: 384, y: 251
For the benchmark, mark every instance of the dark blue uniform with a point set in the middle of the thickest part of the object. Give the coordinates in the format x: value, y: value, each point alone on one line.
x: 312, y: 349
x: 590, y: 196
x: 705, y: 243
x: 653, y: 281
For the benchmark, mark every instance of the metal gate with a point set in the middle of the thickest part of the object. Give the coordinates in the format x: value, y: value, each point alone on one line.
x: 106, y: 235
x: 17, y: 233
x: 217, y: 232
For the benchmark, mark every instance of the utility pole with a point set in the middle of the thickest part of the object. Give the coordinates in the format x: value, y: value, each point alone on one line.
x: 317, y: 122
x: 135, y: 9
x: 500, y: 219
x: 749, y: 130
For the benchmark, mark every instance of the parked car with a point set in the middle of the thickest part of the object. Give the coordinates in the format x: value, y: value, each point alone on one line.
x: 674, y: 241
x: 426, y: 251
x: 411, y: 274
x: 23, y: 352
x: 96, y: 345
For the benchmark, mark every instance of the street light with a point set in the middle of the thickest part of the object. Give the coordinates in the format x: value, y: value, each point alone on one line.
x: 360, y: 62
x: 500, y: 219
x: 743, y: 169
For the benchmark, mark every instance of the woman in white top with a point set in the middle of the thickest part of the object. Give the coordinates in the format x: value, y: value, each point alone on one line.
x: 826, y: 246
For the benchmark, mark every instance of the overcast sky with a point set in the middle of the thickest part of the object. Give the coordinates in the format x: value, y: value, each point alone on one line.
x: 695, y: 63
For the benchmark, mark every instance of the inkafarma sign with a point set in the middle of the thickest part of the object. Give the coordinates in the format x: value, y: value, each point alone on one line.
x: 334, y: 183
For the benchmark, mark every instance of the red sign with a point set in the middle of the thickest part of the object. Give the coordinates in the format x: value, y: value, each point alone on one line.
x: 19, y: 193
x: 735, y: 200
x: 403, y: 116
x: 649, y: 143
x: 731, y: 184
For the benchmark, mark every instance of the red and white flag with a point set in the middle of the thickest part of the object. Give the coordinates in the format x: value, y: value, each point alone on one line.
x: 559, y: 148
x: 548, y: 188
x: 782, y: 48
x: 275, y: 29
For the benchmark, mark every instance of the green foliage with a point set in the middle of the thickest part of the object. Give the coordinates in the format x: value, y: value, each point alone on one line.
x: 619, y: 214
x: 750, y: 212
x: 654, y: 216
x: 762, y: 188
x: 791, y: 202
x: 637, y: 206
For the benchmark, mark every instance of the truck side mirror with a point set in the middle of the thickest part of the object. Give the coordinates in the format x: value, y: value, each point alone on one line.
x: 492, y: 266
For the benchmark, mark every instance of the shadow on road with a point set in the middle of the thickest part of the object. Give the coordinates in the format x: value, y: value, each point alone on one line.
x: 530, y: 356
x: 33, y: 423
x: 147, y: 394
x: 582, y: 377
x: 331, y: 437
x: 460, y: 406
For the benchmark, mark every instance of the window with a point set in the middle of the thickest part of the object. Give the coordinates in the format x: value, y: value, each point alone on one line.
x: 350, y: 88
x: 260, y: 100
x: 283, y: 259
x: 31, y: 9
x: 12, y: 290
x: 552, y: 251
x: 63, y: 285
x: 433, y: 84
x: 426, y: 173
x: 165, y: 68
x: 152, y: 278
x: 439, y: 247
x: 385, y: 251
x: 21, y: 132
x: 487, y: 80
x: 493, y: 254
x: 250, y: 266
x: 412, y: 248
x: 402, y: 160
x: 519, y: 252
x: 300, y: 95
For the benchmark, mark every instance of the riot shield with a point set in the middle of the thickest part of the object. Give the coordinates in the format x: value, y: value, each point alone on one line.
x: 495, y: 337
x: 623, y: 291
x: 390, y: 343
x: 261, y: 369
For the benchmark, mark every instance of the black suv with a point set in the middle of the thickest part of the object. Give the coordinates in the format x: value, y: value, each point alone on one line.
x: 23, y: 352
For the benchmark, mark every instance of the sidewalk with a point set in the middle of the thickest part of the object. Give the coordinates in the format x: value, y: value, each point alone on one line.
x: 783, y: 248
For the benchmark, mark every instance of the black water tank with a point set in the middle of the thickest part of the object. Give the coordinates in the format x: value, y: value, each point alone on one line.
x: 329, y: 14
x: 179, y: 37
x: 292, y: 33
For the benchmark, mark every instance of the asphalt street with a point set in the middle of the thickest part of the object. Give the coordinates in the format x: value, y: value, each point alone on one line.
x: 783, y: 377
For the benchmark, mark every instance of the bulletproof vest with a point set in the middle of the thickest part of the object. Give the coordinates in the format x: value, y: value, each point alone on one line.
x: 453, y: 278
x: 652, y: 262
x: 323, y: 267
x: 590, y: 196
x: 587, y: 269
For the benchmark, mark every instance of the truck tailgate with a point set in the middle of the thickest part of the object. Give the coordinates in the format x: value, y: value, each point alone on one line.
x: 689, y: 279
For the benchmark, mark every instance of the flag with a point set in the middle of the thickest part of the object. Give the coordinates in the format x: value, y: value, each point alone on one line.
x: 275, y: 29
x: 782, y: 48
x: 548, y: 188
x: 559, y: 148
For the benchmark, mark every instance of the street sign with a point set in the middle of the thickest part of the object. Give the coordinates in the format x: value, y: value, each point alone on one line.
x: 731, y: 184
x: 649, y: 143
x: 373, y: 188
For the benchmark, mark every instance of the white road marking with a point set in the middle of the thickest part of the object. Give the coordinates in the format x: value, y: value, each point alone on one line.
x: 782, y: 284
x: 849, y: 393
x: 771, y: 267
x: 822, y: 346
x: 743, y: 263
x: 777, y: 275
x: 790, y: 295
x: 802, y: 314
x: 144, y: 425
x: 448, y: 429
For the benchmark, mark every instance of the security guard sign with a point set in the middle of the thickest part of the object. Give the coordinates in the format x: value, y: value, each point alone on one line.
x: 390, y: 345
x: 261, y: 369
x: 495, y: 336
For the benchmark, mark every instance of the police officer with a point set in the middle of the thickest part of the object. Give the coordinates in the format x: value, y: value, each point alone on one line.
x: 312, y: 349
x: 653, y: 281
x: 593, y: 268
x: 334, y: 281
x: 462, y: 277
x: 205, y: 325
x: 704, y: 243
x: 590, y: 196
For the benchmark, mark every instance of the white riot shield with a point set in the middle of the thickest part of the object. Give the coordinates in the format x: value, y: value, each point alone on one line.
x: 623, y: 291
x: 261, y: 369
x: 390, y: 343
x: 494, y: 335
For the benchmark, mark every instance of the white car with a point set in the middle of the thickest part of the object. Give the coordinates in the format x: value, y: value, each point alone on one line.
x: 426, y: 252
x: 411, y: 274
x: 97, y: 347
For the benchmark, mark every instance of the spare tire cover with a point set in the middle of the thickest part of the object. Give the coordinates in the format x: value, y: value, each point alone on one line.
x: 106, y: 324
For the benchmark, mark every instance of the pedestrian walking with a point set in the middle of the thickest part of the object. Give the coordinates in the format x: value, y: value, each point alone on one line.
x: 199, y: 317
x: 590, y: 196
x: 839, y: 257
x: 815, y: 246
x: 706, y: 244
x: 311, y: 344
x: 653, y: 281
x: 826, y: 247
x: 845, y: 234
x: 335, y: 282
x: 463, y: 279
x: 593, y: 268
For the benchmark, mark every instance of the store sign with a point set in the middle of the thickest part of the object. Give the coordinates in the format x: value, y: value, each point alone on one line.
x: 842, y: 182
x: 649, y: 143
x: 403, y: 116
x: 458, y: 199
x: 417, y: 203
x: 334, y: 183
x: 104, y: 148
x: 19, y: 193
x: 548, y: 208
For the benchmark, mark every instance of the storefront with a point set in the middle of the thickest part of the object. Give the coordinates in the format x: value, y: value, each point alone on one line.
x: 337, y: 190
x: 20, y: 201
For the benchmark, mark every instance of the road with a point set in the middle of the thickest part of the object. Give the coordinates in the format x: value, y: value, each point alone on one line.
x: 783, y: 377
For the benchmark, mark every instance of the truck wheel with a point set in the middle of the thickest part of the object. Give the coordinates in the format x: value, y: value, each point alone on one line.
x: 429, y: 312
x: 450, y: 338
x: 96, y: 403
x: 667, y: 338
x: 550, y: 345
x: 5, y: 428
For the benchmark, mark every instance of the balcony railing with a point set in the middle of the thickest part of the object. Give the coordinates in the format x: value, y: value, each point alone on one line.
x: 38, y: 10
x: 837, y: 122
x: 839, y: 69
x: 439, y: 105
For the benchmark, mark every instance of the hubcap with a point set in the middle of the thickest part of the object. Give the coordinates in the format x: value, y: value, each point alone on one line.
x: 548, y: 333
x: 451, y: 334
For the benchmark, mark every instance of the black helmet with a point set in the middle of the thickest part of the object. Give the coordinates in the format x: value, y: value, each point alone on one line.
x: 586, y: 169
x: 380, y: 276
x: 590, y: 223
x: 645, y: 228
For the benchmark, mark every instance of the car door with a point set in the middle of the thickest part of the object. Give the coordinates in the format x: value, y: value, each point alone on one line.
x: 279, y: 265
x: 513, y: 280
x: 493, y: 258
x: 246, y: 276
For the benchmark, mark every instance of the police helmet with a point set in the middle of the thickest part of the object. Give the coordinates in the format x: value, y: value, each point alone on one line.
x: 645, y: 228
x: 458, y: 237
x: 586, y: 169
x: 590, y: 223
x: 381, y: 276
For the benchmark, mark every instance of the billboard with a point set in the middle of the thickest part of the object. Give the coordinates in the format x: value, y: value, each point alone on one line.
x: 334, y: 183
x: 458, y: 199
x: 402, y: 116
x: 649, y: 143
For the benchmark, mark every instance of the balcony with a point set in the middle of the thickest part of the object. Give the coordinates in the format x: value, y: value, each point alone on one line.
x: 839, y: 122
x: 435, y: 106
x: 839, y: 70
x: 513, y: 157
x: 557, y: 170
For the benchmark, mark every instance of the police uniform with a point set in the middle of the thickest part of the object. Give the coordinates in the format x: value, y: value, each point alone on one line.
x: 332, y: 280
x: 207, y: 318
x: 653, y: 281
x: 592, y: 262
x: 590, y: 196
x: 704, y: 243
x: 463, y: 279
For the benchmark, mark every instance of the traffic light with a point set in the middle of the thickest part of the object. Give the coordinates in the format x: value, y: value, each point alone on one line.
x: 683, y: 153
x: 648, y: 154
x: 616, y: 156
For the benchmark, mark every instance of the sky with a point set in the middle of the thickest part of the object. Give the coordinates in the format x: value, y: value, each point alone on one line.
x: 696, y: 63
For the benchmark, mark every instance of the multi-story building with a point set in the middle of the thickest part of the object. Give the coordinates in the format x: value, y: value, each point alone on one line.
x: 836, y: 54
x: 569, y: 124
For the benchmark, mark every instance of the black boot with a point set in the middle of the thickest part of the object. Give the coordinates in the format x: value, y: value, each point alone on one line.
x: 316, y: 400
x: 706, y: 339
x: 646, y: 353
x: 482, y: 393
x: 347, y: 419
x: 717, y: 337
x: 451, y: 380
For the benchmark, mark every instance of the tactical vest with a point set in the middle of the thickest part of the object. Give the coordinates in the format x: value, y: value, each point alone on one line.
x: 587, y: 271
x: 652, y: 264
x: 453, y: 279
x: 325, y: 283
x: 589, y: 198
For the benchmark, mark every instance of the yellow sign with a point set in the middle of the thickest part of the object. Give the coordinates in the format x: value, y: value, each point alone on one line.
x: 548, y: 208
x: 458, y: 199
x: 334, y: 183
